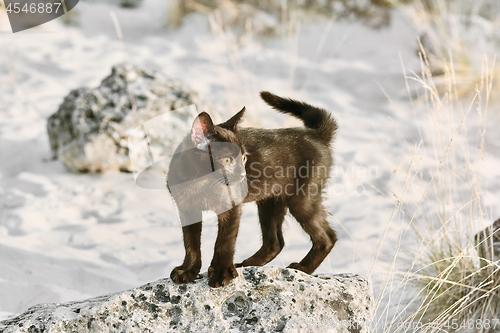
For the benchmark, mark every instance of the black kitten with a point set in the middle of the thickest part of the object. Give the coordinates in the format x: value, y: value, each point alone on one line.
x: 220, y: 167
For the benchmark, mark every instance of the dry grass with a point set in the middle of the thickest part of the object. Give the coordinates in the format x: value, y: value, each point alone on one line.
x: 265, y: 15
x: 454, y: 281
x: 461, y: 32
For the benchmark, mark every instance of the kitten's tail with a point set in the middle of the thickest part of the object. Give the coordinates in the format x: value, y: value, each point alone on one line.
x: 313, y: 117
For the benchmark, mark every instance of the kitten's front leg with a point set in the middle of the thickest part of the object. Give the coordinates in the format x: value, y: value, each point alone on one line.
x: 222, y: 270
x: 191, y: 266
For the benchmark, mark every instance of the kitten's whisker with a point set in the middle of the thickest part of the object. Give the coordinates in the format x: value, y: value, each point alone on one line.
x: 217, y: 181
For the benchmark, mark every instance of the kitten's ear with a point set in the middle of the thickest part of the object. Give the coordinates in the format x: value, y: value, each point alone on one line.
x: 202, y: 130
x: 233, y: 122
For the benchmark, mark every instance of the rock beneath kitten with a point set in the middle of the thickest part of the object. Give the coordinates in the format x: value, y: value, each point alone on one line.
x: 261, y: 299
x: 489, y: 239
x: 89, y: 132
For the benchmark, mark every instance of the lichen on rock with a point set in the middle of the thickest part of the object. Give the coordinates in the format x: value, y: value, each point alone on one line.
x: 261, y: 299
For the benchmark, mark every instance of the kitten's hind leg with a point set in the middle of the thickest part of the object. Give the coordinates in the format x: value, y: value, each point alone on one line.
x: 272, y: 212
x: 311, y: 215
x: 191, y: 266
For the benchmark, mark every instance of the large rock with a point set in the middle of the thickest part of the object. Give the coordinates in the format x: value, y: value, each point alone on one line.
x: 488, y: 242
x: 89, y: 132
x: 262, y: 299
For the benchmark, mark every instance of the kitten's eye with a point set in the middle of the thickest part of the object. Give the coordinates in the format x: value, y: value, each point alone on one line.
x: 244, y: 158
x: 227, y: 160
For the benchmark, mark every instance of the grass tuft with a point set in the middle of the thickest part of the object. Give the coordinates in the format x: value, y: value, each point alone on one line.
x: 455, y: 274
x: 462, y: 32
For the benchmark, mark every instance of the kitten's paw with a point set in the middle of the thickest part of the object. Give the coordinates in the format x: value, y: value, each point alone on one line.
x: 299, y: 267
x: 252, y: 262
x: 181, y: 275
x: 244, y: 263
x: 221, y: 276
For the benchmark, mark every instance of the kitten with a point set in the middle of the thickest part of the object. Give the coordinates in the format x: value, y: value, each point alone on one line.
x: 220, y: 167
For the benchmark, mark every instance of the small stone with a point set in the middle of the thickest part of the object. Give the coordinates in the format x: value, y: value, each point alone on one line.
x: 130, y: 3
x: 488, y: 240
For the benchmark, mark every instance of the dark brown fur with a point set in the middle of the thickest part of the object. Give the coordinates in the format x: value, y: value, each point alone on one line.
x: 268, y: 151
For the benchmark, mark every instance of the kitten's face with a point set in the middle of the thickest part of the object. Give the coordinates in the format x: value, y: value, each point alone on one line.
x: 214, y: 154
x: 229, y: 161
